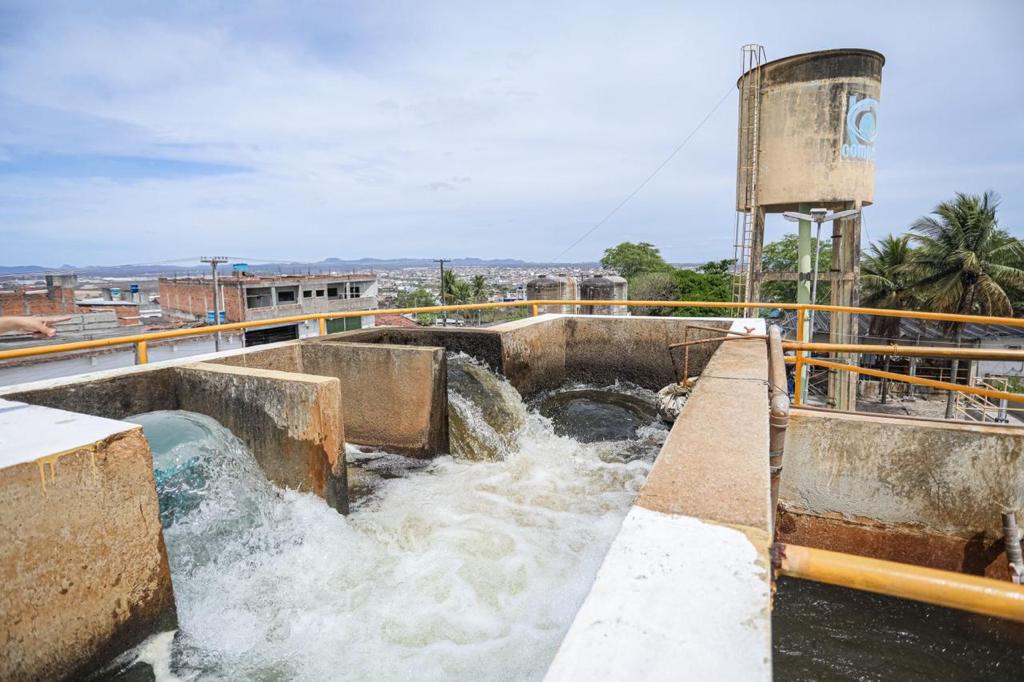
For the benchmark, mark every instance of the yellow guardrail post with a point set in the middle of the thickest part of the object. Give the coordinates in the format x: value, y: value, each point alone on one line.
x: 141, y: 352
x: 323, y: 326
x: 798, y: 367
x: 535, y: 310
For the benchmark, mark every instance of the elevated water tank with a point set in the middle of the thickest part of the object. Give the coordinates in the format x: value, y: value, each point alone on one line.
x: 546, y: 287
x: 818, y: 119
x: 603, y: 288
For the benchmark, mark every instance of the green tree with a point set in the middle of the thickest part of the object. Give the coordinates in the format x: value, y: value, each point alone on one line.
x: 886, y: 282
x: 710, y: 282
x: 629, y: 259
x: 783, y: 256
x: 654, y: 286
x: 964, y: 263
x: 418, y: 298
x: 478, y: 292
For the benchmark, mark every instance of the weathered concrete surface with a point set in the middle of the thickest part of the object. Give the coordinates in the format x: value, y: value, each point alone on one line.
x: 283, y: 357
x: 714, y: 463
x: 634, y: 349
x: 483, y: 344
x: 533, y: 353
x: 115, y: 394
x: 950, y: 478
x: 396, y: 397
x: 905, y: 543
x: 83, y: 568
x: 688, y: 578
x: 291, y: 422
x: 920, y: 491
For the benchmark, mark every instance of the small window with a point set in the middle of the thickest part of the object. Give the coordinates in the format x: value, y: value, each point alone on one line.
x: 332, y: 292
x: 354, y: 291
x: 319, y: 292
x: 258, y: 298
x: 307, y: 294
x: 286, y: 296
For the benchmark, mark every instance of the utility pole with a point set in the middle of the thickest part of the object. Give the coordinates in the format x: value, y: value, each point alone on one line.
x: 214, y: 261
x: 442, y: 261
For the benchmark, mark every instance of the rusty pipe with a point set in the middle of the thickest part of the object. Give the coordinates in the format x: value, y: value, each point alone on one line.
x: 778, y: 415
x: 685, y: 345
x: 972, y: 593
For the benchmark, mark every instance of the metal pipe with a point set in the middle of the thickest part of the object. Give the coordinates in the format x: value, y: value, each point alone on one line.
x: 778, y: 416
x: 1014, y: 554
x: 909, y: 351
x: 944, y: 385
x: 686, y: 353
x: 906, y: 581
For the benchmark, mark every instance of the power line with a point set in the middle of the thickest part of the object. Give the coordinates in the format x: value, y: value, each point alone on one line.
x: 650, y: 177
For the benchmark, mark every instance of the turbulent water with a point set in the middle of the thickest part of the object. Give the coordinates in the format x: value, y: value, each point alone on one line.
x: 463, y: 568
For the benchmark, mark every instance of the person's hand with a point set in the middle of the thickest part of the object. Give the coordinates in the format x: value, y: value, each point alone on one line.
x: 39, y: 327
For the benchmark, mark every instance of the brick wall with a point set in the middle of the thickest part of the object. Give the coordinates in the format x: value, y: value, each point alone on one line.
x: 195, y: 297
x: 58, y: 301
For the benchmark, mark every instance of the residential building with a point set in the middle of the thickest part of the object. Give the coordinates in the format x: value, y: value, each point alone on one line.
x: 248, y: 298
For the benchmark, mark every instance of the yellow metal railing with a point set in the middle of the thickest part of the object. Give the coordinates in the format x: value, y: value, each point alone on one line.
x: 800, y: 346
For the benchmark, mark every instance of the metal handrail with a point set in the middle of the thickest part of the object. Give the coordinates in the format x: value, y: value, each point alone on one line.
x: 141, y: 341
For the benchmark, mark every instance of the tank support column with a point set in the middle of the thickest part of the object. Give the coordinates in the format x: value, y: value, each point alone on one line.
x: 842, y: 386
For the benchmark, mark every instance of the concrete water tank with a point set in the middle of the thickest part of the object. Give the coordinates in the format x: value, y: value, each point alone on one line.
x: 603, y: 288
x: 818, y: 115
x: 546, y: 287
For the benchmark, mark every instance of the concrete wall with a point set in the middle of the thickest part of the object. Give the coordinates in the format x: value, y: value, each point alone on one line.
x: 635, y: 349
x: 396, y: 397
x: 291, y: 422
x: 920, y: 491
x: 83, y: 567
x: 533, y: 353
x: 684, y: 591
x: 484, y: 344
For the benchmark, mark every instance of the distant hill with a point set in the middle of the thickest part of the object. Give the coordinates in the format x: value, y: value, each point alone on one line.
x: 360, y: 264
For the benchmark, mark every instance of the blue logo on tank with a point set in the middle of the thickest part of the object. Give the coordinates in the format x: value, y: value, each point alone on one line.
x: 861, y: 128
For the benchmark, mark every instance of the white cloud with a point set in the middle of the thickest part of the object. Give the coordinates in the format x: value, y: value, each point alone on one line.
x: 362, y: 130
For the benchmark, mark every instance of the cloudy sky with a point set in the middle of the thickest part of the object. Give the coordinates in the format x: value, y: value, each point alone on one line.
x: 136, y: 132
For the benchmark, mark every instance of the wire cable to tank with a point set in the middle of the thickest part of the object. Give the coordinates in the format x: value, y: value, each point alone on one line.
x: 650, y: 177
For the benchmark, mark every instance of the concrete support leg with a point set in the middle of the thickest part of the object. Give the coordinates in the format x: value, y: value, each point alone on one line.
x: 844, y: 329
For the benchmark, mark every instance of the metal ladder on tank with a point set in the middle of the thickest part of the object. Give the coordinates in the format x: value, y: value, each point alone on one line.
x: 753, y: 57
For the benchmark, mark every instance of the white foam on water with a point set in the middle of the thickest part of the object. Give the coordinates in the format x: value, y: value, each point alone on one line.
x: 457, y: 571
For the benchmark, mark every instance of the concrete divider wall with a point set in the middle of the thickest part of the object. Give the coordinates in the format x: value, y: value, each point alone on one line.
x: 83, y: 567
x: 396, y: 397
x: 920, y: 491
x: 635, y: 349
x: 684, y: 591
x: 291, y: 422
x: 484, y: 344
x: 533, y: 353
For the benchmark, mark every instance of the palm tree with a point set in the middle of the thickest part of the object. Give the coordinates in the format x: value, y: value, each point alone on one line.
x: 478, y: 290
x: 887, y: 282
x: 964, y: 264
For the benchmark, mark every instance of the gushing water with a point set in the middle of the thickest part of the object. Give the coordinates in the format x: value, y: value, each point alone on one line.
x: 452, y: 570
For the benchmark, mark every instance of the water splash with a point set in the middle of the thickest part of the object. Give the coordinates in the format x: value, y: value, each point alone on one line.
x: 457, y: 570
x: 485, y: 412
